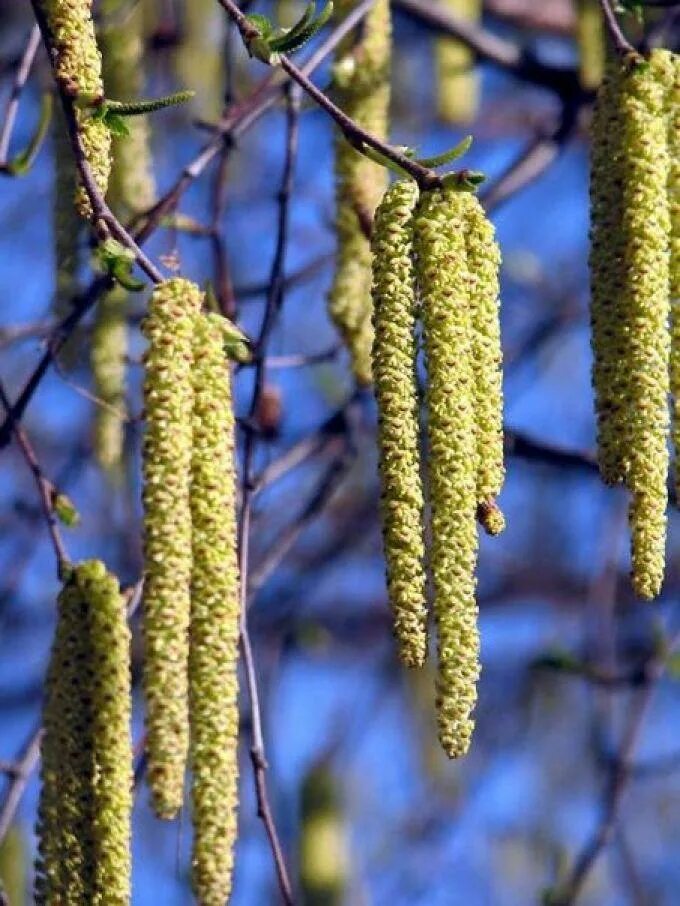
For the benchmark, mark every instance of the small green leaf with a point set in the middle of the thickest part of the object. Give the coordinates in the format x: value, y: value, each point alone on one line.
x: 65, y: 510
x: 116, y: 124
x: 22, y: 163
x: 139, y: 108
x: 265, y: 27
x: 296, y: 38
x: 237, y: 346
x: 379, y: 158
x: 447, y: 156
x: 115, y: 259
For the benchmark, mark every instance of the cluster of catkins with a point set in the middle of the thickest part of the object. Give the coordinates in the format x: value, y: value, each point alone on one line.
x: 361, y: 77
x: 86, y: 795
x: 78, y: 70
x: 635, y: 273
x: 191, y: 584
x: 435, y: 259
x: 457, y: 80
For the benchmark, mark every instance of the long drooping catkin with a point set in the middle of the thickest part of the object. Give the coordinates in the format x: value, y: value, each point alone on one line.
x: 645, y: 227
x: 213, y: 653
x: 483, y: 260
x: 394, y: 374
x: 362, y: 72
x: 609, y: 331
x: 86, y: 796
x: 457, y: 81
x: 439, y: 231
x: 78, y: 69
x: 131, y: 190
x: 324, y: 857
x: 168, y: 401
x: 65, y: 840
x: 109, y: 663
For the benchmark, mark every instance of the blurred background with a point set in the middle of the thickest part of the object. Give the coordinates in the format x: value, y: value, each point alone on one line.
x: 575, y: 765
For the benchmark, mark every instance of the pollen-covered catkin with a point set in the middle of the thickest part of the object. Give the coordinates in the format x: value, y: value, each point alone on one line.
x: 394, y: 374
x: 65, y: 867
x: 439, y: 239
x: 168, y: 401
x: 483, y: 261
x: 362, y: 83
x: 645, y: 227
x: 610, y: 333
x: 457, y: 81
x: 109, y: 668
x: 213, y: 652
x: 78, y: 68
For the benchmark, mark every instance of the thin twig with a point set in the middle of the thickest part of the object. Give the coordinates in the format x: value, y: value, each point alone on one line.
x: 25, y: 766
x: 20, y: 79
x: 621, y: 43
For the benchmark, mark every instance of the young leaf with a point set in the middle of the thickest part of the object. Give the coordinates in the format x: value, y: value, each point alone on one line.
x: 115, y: 259
x: 21, y: 164
x: 139, y: 108
x: 297, y: 37
x: 65, y: 511
x: 379, y: 158
x: 447, y: 156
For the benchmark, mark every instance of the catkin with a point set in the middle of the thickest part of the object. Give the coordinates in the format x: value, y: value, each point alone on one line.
x: 439, y: 230
x: 457, y: 81
x: 323, y: 844
x: 107, y: 358
x: 168, y: 400
x: 213, y: 653
x: 645, y: 229
x: 483, y: 260
x: 590, y: 37
x: 609, y: 330
x: 362, y: 82
x: 65, y: 866
x: 66, y: 221
x: 86, y: 796
x: 394, y: 373
x: 78, y: 69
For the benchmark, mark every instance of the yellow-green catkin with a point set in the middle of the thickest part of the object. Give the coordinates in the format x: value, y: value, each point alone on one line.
x: 666, y: 66
x: 78, y: 68
x: 107, y: 358
x: 439, y: 240
x: 590, y: 37
x: 457, y: 80
x: 86, y: 795
x: 109, y: 656
x: 14, y: 862
x: 213, y: 652
x: 483, y: 259
x: 362, y: 84
x: 610, y: 332
x: 168, y: 401
x: 131, y: 191
x: 645, y: 227
x: 324, y: 861
x: 132, y: 187
x: 66, y: 221
x: 394, y: 375
x: 65, y: 867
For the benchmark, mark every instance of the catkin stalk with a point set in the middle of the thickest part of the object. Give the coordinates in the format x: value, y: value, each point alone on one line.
x: 394, y: 374
x: 168, y: 400
x: 457, y: 81
x: 213, y: 654
x: 361, y: 75
x: 439, y: 231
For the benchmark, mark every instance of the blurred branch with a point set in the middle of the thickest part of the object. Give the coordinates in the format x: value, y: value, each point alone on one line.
x: 619, y: 40
x: 20, y: 79
x: 21, y: 774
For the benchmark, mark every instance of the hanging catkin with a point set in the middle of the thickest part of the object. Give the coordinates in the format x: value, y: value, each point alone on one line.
x: 457, y: 81
x: 131, y: 190
x: 324, y: 857
x: 590, y: 37
x: 168, y: 401
x: 213, y: 653
x: 439, y: 230
x: 361, y: 75
x: 78, y: 69
x: 394, y: 373
x: 645, y: 227
x: 86, y: 797
x: 483, y: 261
